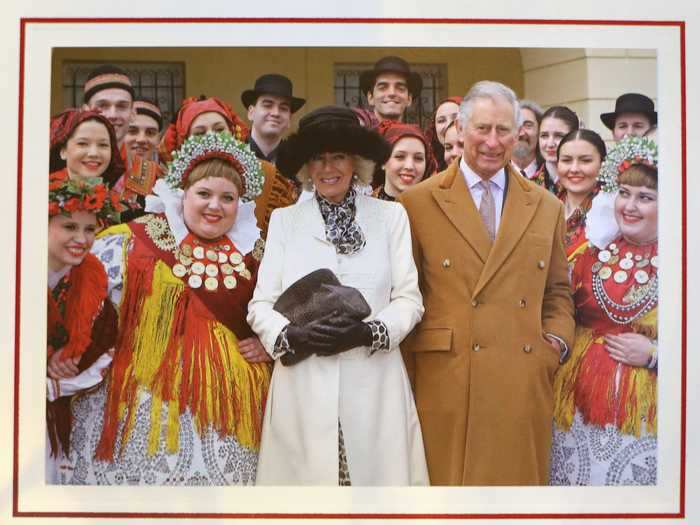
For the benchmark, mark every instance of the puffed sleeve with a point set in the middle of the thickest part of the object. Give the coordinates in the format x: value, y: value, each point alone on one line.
x: 405, y: 308
x: 266, y: 322
x: 111, y: 249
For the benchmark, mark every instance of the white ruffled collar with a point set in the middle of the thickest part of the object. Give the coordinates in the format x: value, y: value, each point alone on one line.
x: 601, y: 226
x: 243, y: 233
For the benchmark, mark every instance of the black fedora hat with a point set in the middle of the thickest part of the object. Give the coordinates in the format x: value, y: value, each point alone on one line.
x: 630, y: 103
x: 329, y: 129
x: 272, y: 84
x: 391, y: 64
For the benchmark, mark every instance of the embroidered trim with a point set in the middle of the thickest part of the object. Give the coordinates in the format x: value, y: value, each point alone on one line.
x: 158, y: 231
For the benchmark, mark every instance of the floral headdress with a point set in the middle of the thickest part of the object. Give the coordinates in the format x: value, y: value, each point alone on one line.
x: 629, y: 151
x: 68, y: 195
x: 221, y: 145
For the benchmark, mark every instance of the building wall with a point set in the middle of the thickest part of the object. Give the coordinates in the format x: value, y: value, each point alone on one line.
x: 588, y: 80
x: 226, y: 72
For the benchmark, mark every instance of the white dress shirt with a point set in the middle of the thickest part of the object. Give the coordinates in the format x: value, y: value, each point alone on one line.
x: 497, y: 184
x: 529, y: 170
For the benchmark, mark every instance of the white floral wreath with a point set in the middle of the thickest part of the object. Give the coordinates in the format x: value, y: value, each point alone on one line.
x: 217, y: 145
x: 630, y: 150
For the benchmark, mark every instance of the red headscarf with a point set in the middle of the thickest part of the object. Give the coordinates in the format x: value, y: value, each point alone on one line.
x: 393, y: 131
x: 431, y: 134
x: 64, y: 125
x: 191, y: 108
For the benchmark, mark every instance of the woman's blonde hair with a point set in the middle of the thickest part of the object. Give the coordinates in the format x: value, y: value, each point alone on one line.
x: 362, y: 167
x: 215, y: 168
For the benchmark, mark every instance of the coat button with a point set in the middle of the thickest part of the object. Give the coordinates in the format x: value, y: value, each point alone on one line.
x: 476, y: 347
x: 475, y: 303
x: 527, y: 349
x: 446, y: 263
x: 523, y: 303
x: 540, y: 265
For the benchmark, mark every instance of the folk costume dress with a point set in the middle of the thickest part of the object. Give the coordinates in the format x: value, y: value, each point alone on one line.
x: 136, y: 183
x: 181, y: 405
x: 83, y: 323
x: 605, y: 411
x: 575, y: 241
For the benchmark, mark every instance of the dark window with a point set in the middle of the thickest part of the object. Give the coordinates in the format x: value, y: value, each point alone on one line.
x: 163, y: 82
x: 347, y: 89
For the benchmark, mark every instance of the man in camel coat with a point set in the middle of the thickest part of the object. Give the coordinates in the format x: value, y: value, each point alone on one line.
x: 488, y: 245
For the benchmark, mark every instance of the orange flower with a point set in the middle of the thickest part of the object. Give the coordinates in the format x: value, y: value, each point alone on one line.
x: 92, y: 202
x: 54, y: 209
x: 71, y: 205
x: 57, y: 179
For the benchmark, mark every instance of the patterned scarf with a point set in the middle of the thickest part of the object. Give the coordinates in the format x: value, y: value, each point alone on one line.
x: 341, y: 228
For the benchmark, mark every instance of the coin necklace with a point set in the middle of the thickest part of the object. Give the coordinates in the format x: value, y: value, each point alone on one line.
x: 210, y: 265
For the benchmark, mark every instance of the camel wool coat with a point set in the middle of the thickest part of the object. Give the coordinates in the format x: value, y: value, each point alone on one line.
x: 480, y: 366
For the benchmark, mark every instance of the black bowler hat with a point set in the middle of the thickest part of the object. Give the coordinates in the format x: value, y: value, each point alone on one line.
x: 630, y: 103
x: 391, y: 64
x: 329, y: 129
x: 272, y: 84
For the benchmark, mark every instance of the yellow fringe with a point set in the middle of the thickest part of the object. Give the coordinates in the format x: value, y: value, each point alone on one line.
x: 247, y: 384
x: 564, y: 379
x: 642, y: 402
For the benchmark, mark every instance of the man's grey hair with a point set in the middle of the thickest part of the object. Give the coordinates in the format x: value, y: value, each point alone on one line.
x: 534, y: 107
x: 491, y: 90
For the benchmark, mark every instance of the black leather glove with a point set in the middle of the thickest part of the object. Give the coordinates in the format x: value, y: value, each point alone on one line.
x: 347, y: 333
x: 316, y: 337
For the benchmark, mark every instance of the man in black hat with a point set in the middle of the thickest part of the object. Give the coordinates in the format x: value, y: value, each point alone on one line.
x: 634, y: 114
x: 108, y: 90
x: 270, y: 107
x: 390, y: 87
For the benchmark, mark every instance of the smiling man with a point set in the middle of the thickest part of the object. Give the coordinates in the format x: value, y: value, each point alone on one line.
x: 390, y: 87
x: 108, y: 90
x: 634, y: 115
x: 489, y: 250
x: 144, y: 130
x: 270, y: 107
x: 525, y: 158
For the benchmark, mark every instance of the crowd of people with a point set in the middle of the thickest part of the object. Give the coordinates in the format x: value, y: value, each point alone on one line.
x: 360, y: 302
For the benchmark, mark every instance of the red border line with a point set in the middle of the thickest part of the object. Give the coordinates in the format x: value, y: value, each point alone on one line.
x: 684, y: 270
x: 161, y: 515
x: 248, y: 20
x: 164, y: 515
x: 18, y: 270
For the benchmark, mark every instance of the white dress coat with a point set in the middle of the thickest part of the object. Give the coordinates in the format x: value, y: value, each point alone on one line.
x: 370, y: 395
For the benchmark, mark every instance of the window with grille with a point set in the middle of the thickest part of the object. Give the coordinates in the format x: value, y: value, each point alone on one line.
x: 163, y: 82
x: 347, y: 89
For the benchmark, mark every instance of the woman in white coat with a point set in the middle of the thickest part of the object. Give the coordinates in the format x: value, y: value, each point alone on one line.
x: 345, y: 414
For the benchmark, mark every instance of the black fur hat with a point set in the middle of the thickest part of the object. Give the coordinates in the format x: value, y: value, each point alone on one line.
x: 330, y: 129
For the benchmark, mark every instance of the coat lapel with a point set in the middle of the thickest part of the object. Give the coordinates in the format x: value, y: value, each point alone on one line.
x: 454, y: 199
x: 518, y: 210
x: 313, y: 220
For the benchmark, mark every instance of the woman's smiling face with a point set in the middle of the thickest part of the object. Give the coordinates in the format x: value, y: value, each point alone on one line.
x: 210, y: 206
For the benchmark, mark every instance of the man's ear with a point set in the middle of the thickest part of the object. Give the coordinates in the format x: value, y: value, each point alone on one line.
x: 370, y: 98
x: 250, y: 112
x: 410, y: 99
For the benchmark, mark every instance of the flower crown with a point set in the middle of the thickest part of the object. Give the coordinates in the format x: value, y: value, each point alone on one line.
x: 221, y: 145
x: 630, y: 150
x: 68, y: 195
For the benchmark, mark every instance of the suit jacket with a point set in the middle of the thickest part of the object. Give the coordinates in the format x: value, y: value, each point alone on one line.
x: 481, y: 369
x: 370, y: 395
